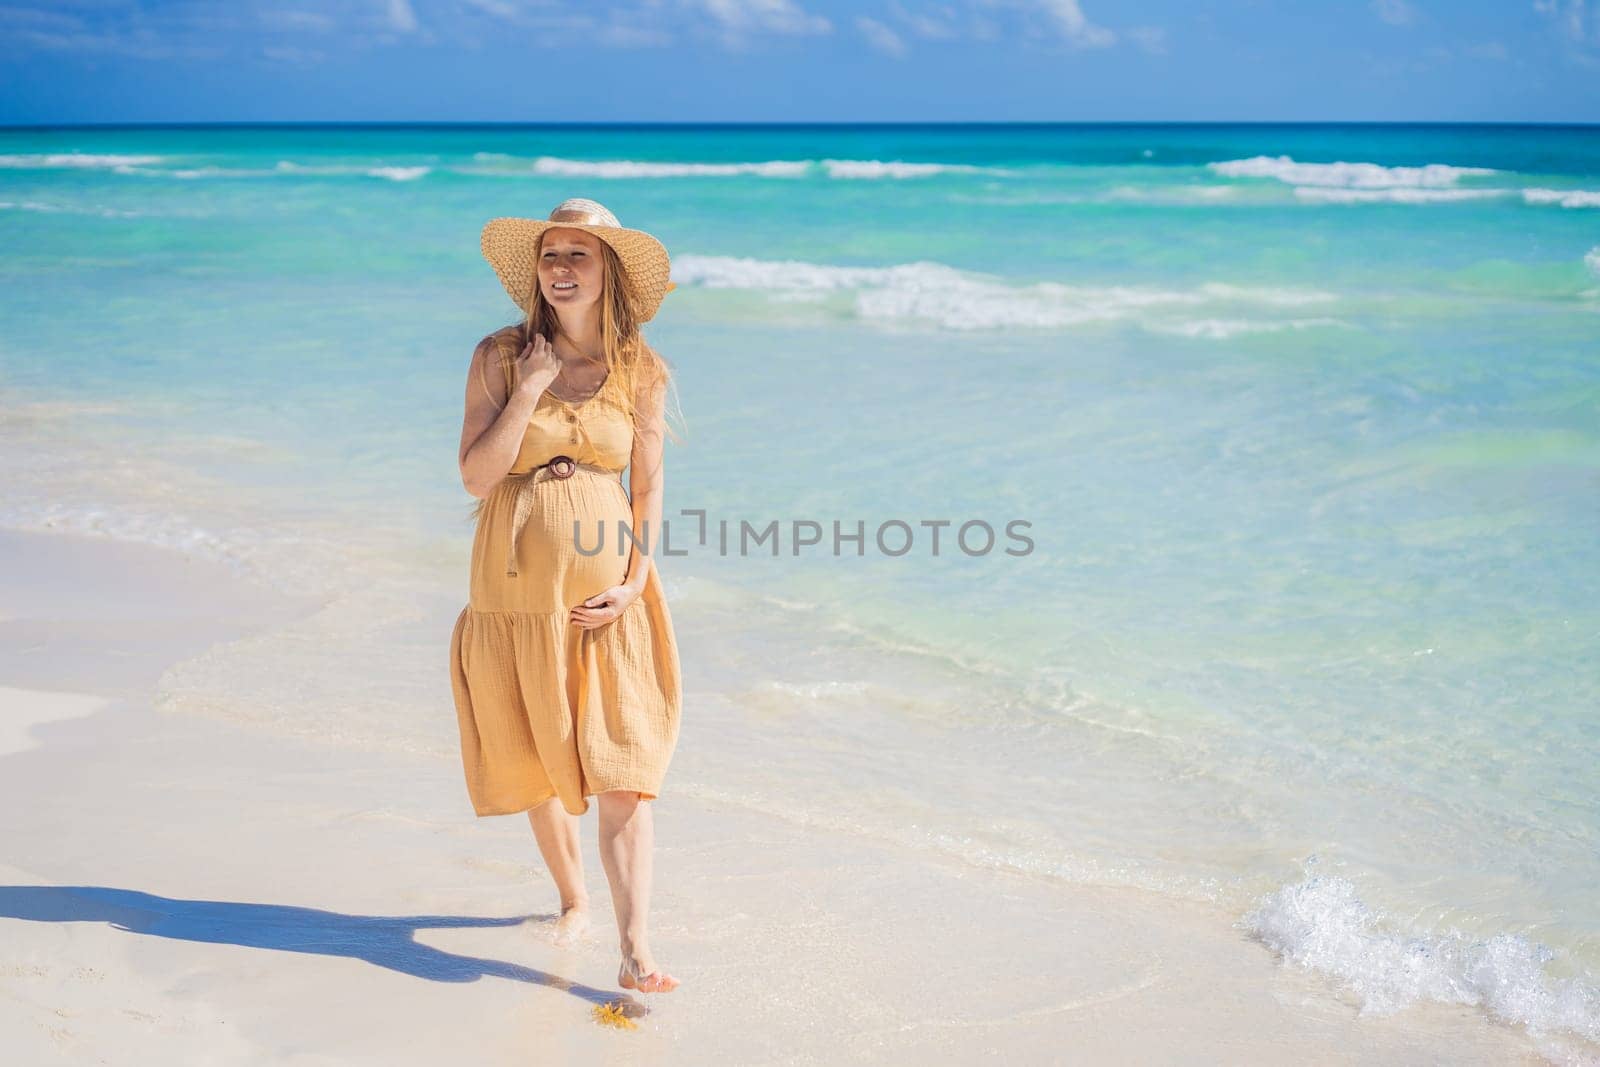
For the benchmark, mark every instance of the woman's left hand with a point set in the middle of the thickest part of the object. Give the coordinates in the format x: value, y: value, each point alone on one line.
x: 603, y: 607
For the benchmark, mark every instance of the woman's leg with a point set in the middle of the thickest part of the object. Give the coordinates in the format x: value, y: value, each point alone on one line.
x: 557, y: 833
x: 627, y: 845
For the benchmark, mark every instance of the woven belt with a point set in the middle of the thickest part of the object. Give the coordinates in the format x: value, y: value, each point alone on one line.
x: 561, y: 468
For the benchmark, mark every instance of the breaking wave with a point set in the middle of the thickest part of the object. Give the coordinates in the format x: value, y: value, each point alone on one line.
x: 1347, y: 175
x: 1320, y: 923
x: 962, y: 300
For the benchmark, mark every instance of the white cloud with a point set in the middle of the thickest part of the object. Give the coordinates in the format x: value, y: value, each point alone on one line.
x: 624, y: 34
x: 278, y: 30
x: 500, y: 9
x: 880, y: 36
x: 15, y: 19
x: 936, y: 23
x: 1063, y: 18
x: 1395, y: 12
x: 1074, y: 26
x: 289, y: 21
x: 136, y: 34
x: 1152, y: 39
x: 1573, y: 18
x: 401, y: 17
x: 136, y: 45
x: 764, y: 16
x: 540, y: 16
x: 636, y: 27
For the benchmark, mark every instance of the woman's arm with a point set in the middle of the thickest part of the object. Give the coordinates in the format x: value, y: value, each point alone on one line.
x: 492, y: 426
x: 646, y: 479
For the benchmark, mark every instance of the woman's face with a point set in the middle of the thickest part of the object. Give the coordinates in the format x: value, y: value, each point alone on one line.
x: 570, y: 268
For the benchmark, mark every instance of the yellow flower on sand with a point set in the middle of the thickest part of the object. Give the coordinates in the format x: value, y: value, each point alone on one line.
x: 611, y: 1015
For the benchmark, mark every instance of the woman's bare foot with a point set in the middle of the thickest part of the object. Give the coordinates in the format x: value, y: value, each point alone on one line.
x: 639, y: 972
x: 573, y: 923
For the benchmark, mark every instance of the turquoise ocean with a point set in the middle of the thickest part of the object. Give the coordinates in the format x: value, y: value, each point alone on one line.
x: 1300, y: 426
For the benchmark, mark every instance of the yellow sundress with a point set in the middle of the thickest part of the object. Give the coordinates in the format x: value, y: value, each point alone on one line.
x: 545, y: 707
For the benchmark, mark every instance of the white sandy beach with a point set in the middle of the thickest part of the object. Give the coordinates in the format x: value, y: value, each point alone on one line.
x: 183, y: 889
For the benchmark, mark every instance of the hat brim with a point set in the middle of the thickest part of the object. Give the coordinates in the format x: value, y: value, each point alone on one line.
x: 509, y: 242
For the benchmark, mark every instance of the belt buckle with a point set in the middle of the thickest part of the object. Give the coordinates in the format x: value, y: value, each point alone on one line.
x: 562, y: 467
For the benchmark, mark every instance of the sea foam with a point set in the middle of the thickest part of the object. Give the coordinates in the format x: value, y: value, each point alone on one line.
x: 503, y: 164
x: 1322, y: 924
x: 283, y: 168
x: 73, y: 160
x: 1345, y: 175
x: 1563, y: 197
x: 398, y: 174
x: 631, y: 168
x: 60, y: 209
x: 1402, y: 195
x: 962, y: 300
x: 877, y: 168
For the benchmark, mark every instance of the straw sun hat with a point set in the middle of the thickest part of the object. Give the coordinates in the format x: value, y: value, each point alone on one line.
x: 509, y: 245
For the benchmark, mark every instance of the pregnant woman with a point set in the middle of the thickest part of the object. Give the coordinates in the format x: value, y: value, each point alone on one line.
x: 564, y: 663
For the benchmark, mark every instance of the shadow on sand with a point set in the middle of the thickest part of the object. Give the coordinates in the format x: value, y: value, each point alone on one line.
x: 384, y: 941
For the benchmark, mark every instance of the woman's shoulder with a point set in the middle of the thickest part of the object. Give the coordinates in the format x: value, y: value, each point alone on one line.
x: 505, y: 334
x: 495, y: 349
x: 498, y: 344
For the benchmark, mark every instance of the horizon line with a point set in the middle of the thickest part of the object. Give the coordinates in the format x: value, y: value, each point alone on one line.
x: 766, y: 124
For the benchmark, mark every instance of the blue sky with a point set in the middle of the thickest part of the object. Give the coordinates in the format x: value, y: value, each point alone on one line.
x: 799, y: 60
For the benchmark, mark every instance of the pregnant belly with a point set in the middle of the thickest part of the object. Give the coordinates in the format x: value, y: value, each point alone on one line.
x: 573, y: 544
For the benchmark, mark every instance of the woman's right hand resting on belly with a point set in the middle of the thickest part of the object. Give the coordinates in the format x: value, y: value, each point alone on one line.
x: 493, y: 424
